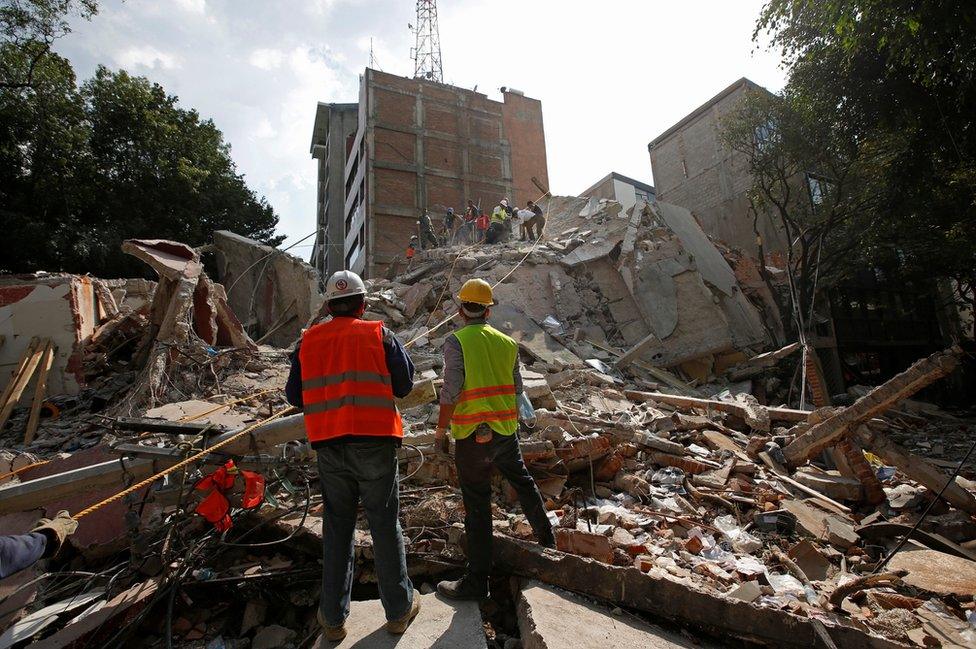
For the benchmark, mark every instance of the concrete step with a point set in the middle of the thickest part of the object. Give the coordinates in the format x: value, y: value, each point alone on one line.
x: 550, y: 618
x: 441, y: 623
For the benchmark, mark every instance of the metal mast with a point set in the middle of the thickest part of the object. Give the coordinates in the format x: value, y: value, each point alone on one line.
x: 427, y: 53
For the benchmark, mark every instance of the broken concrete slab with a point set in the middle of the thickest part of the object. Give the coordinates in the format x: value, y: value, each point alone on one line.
x: 273, y: 293
x: 833, y: 486
x: 935, y: 571
x: 441, y: 623
x: 550, y: 618
x: 710, y: 262
x: 533, y: 338
x: 679, y: 602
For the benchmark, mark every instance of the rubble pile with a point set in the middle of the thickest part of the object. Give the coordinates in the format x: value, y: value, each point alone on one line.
x: 680, y: 492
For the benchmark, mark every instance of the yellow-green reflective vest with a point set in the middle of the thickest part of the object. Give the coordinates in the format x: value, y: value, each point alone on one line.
x: 499, y: 214
x: 488, y: 395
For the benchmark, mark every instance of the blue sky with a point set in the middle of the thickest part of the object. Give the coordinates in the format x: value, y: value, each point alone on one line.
x: 611, y: 75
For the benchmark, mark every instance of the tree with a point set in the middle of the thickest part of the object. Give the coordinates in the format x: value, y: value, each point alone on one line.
x: 27, y: 30
x: 812, y: 180
x: 899, y: 78
x: 82, y: 169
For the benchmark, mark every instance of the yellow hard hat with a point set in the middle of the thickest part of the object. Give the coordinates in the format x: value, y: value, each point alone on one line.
x: 477, y: 291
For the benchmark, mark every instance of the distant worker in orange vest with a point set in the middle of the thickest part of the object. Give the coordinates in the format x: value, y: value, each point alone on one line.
x: 344, y: 375
x: 479, y: 403
x: 411, y: 248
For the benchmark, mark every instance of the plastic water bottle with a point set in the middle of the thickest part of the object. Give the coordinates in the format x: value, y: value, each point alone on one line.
x: 526, y: 411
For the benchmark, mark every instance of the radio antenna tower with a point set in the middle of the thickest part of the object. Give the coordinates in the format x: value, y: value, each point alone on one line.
x: 427, y: 53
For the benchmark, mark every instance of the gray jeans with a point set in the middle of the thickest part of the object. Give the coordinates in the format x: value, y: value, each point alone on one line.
x: 350, y: 472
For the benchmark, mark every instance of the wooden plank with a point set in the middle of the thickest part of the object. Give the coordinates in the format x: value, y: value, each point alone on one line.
x: 15, y: 374
x: 20, y: 383
x: 874, y: 403
x: 674, y: 601
x: 40, y: 391
x: 777, y: 414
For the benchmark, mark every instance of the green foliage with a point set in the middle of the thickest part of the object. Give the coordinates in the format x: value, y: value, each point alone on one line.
x: 28, y: 28
x: 83, y: 168
x: 897, y: 78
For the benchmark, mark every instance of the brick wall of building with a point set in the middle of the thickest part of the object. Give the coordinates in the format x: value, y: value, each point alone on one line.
x: 433, y: 146
x: 693, y: 169
x: 522, y: 120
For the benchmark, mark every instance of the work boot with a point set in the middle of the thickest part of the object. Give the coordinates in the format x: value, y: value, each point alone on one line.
x: 329, y: 632
x: 465, y: 588
x: 399, y: 625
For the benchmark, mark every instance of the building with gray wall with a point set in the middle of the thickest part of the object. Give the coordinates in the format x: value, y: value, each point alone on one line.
x: 332, y: 137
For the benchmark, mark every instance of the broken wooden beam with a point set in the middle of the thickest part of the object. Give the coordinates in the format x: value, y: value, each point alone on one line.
x: 737, y: 409
x: 40, y: 391
x: 674, y: 601
x: 829, y: 431
x: 916, y: 468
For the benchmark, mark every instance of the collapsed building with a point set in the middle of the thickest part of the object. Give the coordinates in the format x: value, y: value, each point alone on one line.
x: 412, y: 145
x: 694, y: 506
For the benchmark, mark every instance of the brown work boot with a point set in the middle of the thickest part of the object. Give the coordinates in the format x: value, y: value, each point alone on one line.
x: 329, y: 632
x: 399, y: 625
x: 465, y: 588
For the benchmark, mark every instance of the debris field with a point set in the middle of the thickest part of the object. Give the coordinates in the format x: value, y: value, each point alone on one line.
x: 697, y: 501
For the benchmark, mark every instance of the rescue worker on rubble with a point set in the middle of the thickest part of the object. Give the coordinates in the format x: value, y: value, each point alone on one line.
x: 427, y: 237
x: 499, y: 222
x: 478, y: 402
x: 344, y: 375
x: 19, y: 551
x: 535, y: 224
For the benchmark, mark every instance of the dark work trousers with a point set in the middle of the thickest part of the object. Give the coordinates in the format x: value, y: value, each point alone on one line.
x: 350, y: 472
x: 474, y: 462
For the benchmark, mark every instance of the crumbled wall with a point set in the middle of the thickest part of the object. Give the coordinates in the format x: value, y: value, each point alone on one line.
x: 272, y: 293
x: 59, y: 307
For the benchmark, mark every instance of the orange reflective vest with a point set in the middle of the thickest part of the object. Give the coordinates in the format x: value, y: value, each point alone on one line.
x: 346, y: 385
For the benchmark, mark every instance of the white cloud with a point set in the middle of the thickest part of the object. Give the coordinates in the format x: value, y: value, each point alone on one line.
x: 266, y: 58
x: 264, y: 130
x: 192, y: 6
x: 147, y: 56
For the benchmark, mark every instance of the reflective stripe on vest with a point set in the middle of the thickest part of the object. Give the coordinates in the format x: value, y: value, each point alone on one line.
x: 488, y: 394
x: 346, y: 386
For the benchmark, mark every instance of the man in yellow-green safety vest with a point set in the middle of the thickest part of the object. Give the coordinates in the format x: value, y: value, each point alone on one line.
x: 478, y: 402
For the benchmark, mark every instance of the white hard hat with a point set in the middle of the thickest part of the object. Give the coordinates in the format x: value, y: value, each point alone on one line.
x: 504, y: 202
x: 344, y: 284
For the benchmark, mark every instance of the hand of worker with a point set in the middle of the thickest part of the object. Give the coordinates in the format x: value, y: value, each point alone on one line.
x: 442, y: 443
x: 56, y: 529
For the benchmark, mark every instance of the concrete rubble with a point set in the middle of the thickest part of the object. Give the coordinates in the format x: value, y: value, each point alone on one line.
x: 695, y: 504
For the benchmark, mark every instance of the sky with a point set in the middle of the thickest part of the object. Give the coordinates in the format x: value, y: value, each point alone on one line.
x: 611, y: 75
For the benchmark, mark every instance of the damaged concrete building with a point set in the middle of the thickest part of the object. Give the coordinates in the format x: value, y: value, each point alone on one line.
x: 687, y: 513
x: 866, y: 329
x: 411, y: 145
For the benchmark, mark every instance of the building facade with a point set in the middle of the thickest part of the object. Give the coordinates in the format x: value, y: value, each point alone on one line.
x: 332, y: 136
x: 423, y: 146
x: 692, y: 168
x: 618, y: 187
x: 865, y: 330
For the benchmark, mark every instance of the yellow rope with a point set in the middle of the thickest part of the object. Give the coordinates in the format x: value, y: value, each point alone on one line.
x: 22, y: 469
x: 148, y: 481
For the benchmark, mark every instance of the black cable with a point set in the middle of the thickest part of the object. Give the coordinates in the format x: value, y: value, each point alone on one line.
x: 925, y: 513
